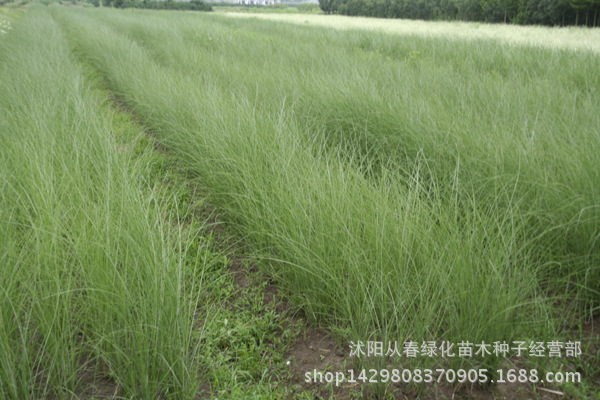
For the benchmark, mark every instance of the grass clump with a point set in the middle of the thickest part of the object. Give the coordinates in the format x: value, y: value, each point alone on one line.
x: 92, y: 287
x: 399, y: 188
x: 416, y: 250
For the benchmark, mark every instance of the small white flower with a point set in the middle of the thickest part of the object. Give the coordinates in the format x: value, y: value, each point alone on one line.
x: 288, y: 362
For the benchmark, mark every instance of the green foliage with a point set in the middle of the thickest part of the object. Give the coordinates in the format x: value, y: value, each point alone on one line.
x: 434, y: 189
x: 397, y: 188
x: 308, y: 8
x: 525, y: 12
x: 109, y: 278
x: 193, y: 5
x: 92, y: 286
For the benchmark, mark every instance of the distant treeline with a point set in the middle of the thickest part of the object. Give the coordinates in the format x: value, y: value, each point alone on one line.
x: 195, y: 5
x: 543, y: 12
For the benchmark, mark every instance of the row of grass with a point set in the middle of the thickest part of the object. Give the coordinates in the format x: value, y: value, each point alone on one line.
x: 112, y: 286
x: 528, y: 117
x: 516, y: 113
x: 94, y: 286
x: 399, y: 188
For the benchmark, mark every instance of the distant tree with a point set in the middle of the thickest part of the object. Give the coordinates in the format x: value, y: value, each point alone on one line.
x: 325, y: 6
x: 579, y: 5
x: 546, y: 12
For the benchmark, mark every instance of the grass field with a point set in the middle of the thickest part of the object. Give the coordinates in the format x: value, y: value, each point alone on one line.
x: 396, y: 187
x: 572, y: 38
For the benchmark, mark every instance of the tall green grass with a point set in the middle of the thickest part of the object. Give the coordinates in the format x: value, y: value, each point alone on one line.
x: 512, y: 117
x: 398, y: 187
x: 94, y: 286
